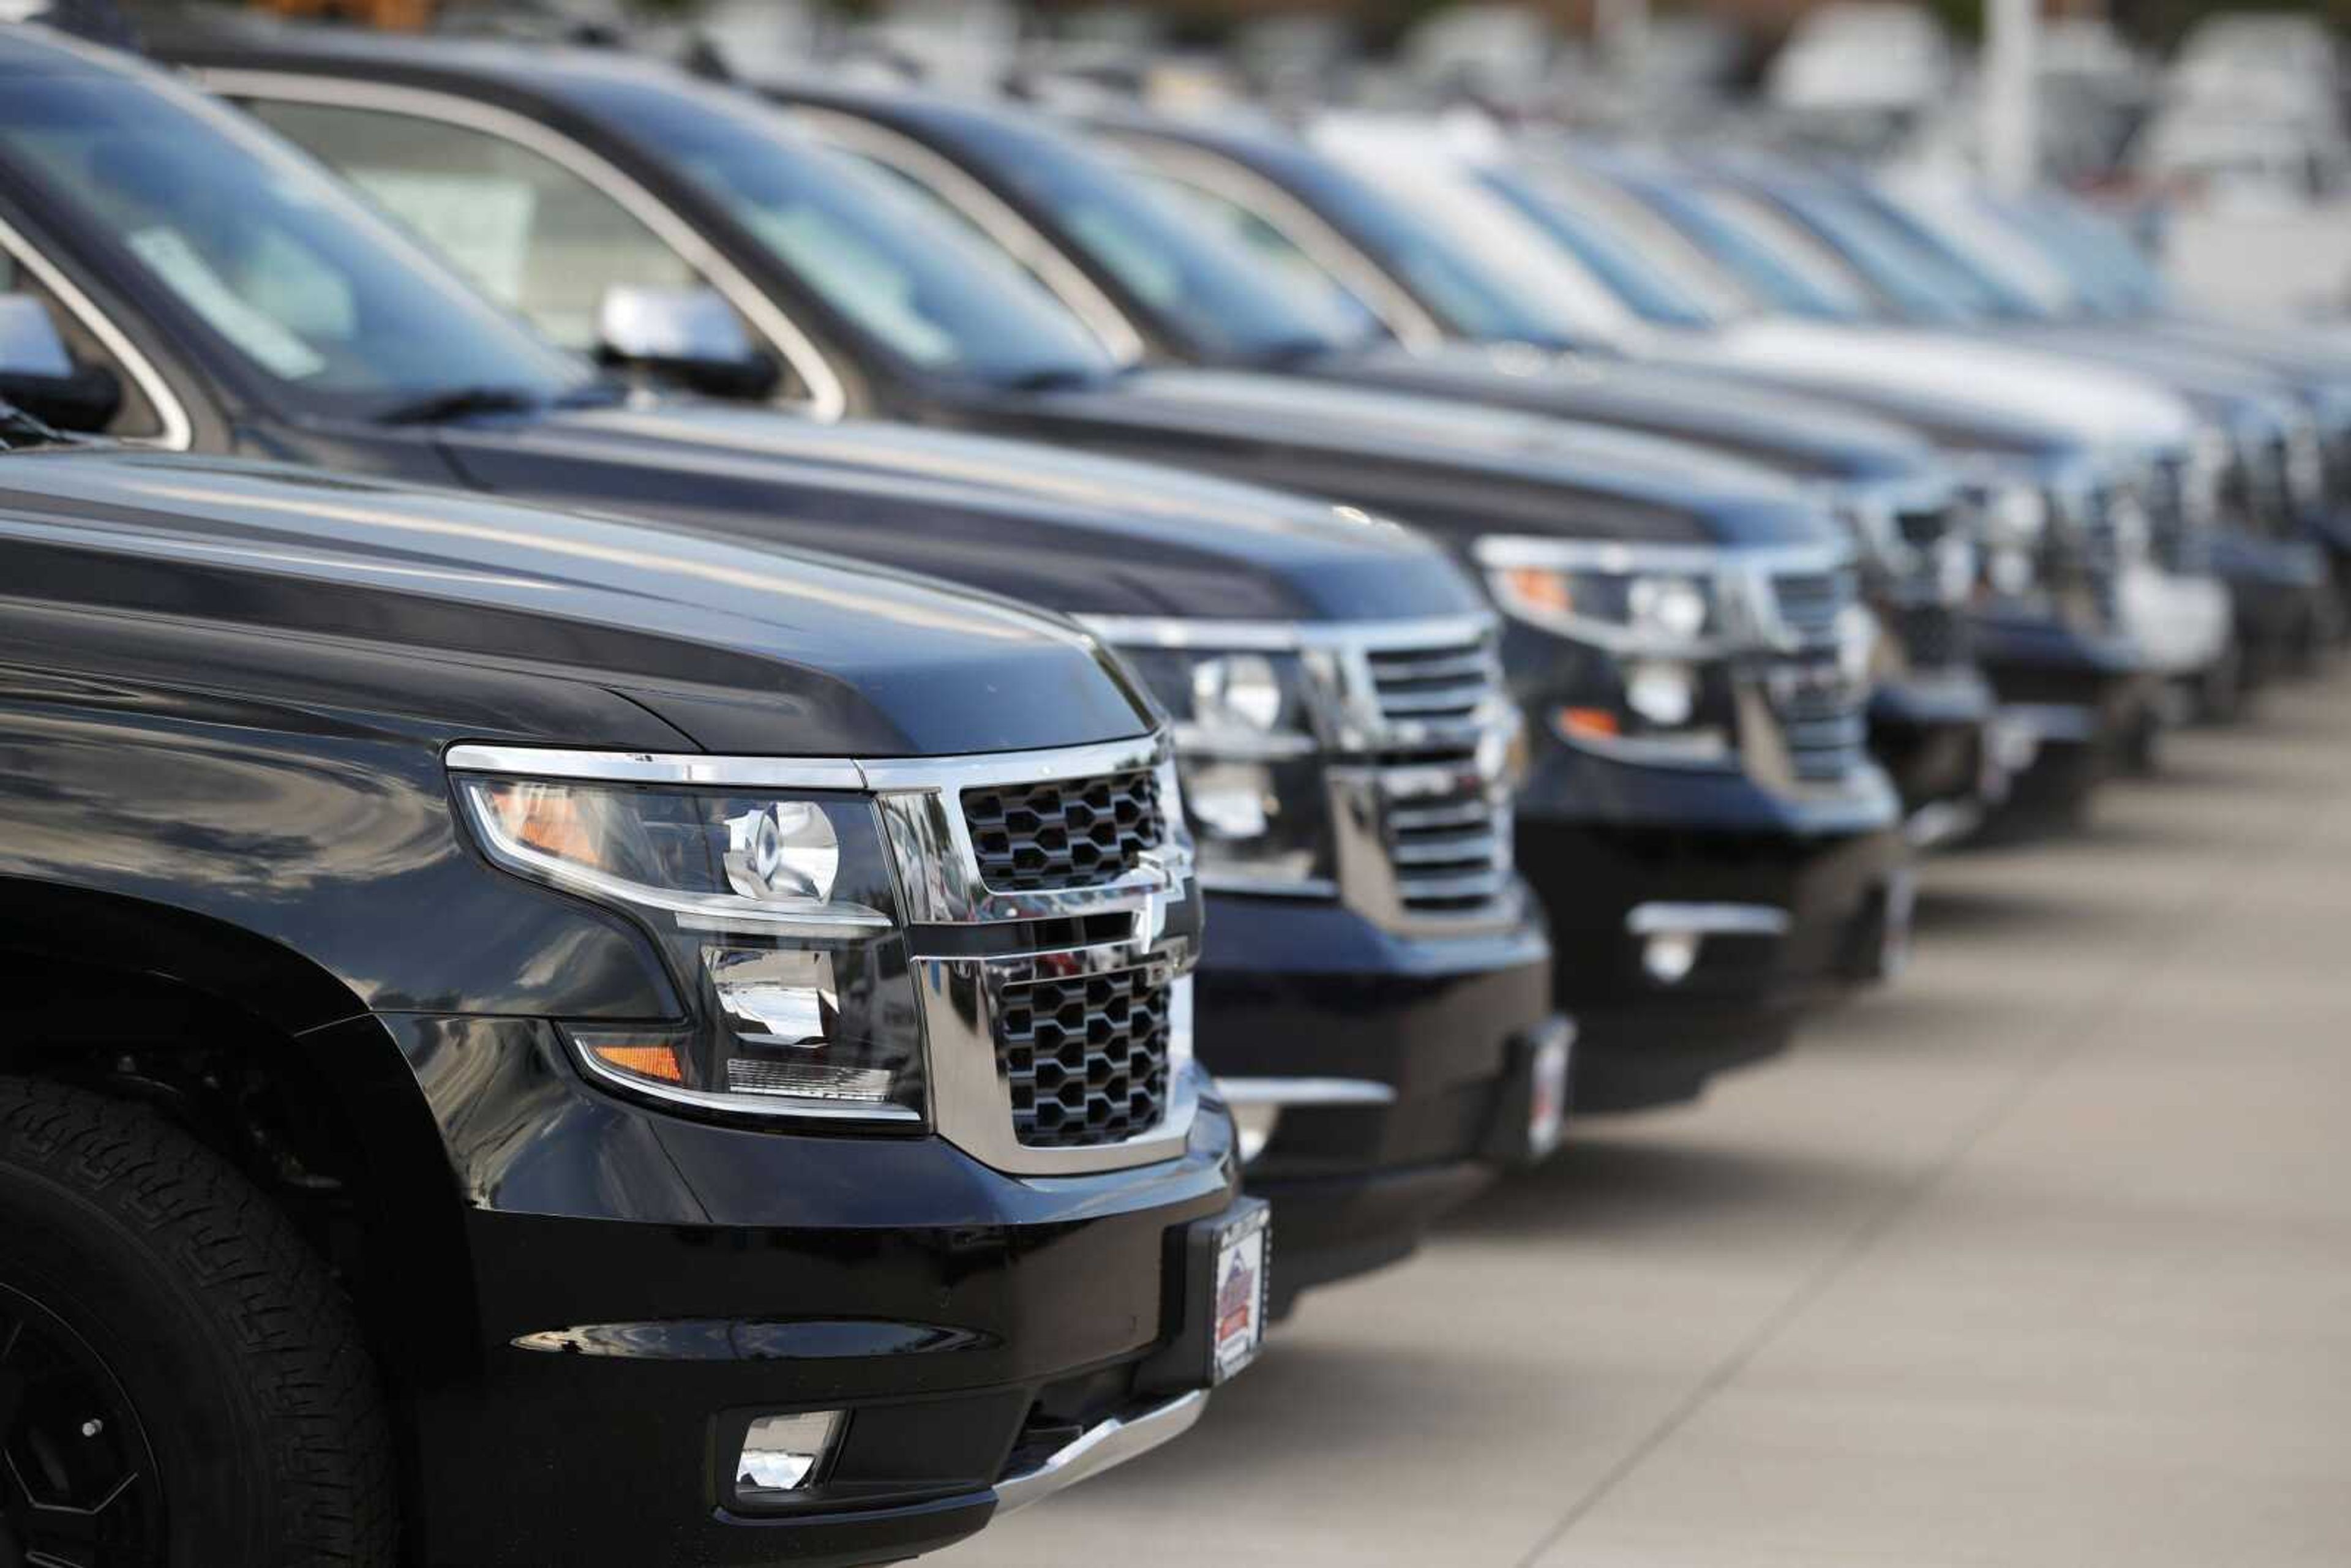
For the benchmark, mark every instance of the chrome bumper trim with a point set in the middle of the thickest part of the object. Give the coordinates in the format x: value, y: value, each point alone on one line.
x: 1288, y: 1092
x: 1707, y: 919
x: 2049, y: 721
x: 1939, y: 822
x: 1102, y: 1446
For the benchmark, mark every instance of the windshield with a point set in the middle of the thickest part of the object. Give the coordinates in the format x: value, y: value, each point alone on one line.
x: 1229, y: 302
x: 1915, y: 282
x: 1644, y: 287
x: 917, y: 284
x: 2016, y: 301
x: 1758, y: 259
x: 320, y: 304
x: 1473, y: 299
x: 2100, y: 259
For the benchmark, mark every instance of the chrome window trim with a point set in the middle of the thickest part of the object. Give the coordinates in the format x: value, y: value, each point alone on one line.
x: 996, y: 218
x: 1296, y: 221
x: 828, y: 399
x: 917, y: 803
x: 179, y: 432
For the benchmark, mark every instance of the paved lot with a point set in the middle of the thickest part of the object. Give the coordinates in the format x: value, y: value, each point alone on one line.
x: 2041, y: 1257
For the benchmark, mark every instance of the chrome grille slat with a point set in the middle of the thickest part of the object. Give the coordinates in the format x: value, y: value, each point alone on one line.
x: 1421, y: 700
x: 1421, y: 818
x: 1389, y: 669
x: 1468, y: 848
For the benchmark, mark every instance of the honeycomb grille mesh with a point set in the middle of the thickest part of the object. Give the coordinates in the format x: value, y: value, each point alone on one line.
x: 1084, y: 1056
x: 1070, y: 832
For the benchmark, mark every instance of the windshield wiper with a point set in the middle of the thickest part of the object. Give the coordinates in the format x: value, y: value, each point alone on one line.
x: 461, y: 402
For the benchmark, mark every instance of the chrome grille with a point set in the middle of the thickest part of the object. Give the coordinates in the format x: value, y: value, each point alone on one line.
x: 1445, y: 824
x: 1447, y: 837
x: 1064, y: 834
x: 1085, y: 1056
x: 1821, y: 714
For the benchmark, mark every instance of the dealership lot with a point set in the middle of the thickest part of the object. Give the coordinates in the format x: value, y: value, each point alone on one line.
x: 2042, y: 1257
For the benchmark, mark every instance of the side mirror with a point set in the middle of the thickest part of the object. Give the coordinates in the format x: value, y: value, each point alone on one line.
x: 37, y: 373
x: 689, y: 336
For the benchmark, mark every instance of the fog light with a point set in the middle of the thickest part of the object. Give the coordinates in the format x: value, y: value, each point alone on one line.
x: 783, y: 1454
x: 1664, y: 694
x: 1670, y: 955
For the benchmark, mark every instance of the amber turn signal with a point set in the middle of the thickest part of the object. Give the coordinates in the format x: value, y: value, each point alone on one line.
x: 1595, y: 723
x: 658, y: 1063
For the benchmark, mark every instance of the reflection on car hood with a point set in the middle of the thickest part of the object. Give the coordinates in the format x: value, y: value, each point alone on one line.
x: 1071, y: 532
x: 1443, y: 465
x: 444, y: 606
x: 2096, y: 406
x: 1799, y: 437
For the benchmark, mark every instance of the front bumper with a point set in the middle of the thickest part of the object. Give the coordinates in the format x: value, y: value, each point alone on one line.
x: 2069, y: 705
x: 2282, y: 597
x: 644, y: 1286
x: 1387, y: 1074
x: 1793, y: 901
x: 1929, y: 732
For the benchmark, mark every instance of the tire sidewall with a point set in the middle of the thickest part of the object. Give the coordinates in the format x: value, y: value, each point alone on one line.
x: 165, y: 1345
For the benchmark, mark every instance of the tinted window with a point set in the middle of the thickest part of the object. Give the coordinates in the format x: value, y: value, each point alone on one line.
x: 1221, y: 296
x: 1474, y: 300
x: 320, y: 301
x: 1644, y: 289
x: 917, y: 284
x: 529, y: 231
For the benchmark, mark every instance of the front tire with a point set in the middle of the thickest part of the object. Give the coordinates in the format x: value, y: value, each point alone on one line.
x: 181, y: 1381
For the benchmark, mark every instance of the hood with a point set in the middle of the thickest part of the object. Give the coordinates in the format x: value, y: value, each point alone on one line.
x: 2220, y: 386
x: 1799, y: 438
x: 464, y: 615
x: 1442, y: 465
x: 1064, y: 530
x: 2097, y: 407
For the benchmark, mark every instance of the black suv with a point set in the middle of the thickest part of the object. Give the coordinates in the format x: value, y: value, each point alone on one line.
x: 1375, y: 988
x: 1701, y: 818
x: 529, y: 1043
x: 1155, y: 278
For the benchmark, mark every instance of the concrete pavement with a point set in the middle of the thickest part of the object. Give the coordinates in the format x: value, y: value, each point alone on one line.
x: 2042, y: 1257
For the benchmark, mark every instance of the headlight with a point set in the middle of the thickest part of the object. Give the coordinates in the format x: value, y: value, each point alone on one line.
x: 1641, y: 665
x: 1249, y: 761
x: 1630, y: 611
x: 2013, y: 523
x: 776, y: 915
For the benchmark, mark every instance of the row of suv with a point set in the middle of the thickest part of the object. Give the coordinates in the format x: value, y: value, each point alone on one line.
x: 798, y: 794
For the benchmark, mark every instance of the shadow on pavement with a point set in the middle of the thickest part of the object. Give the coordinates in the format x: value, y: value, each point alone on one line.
x: 1604, y: 1186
